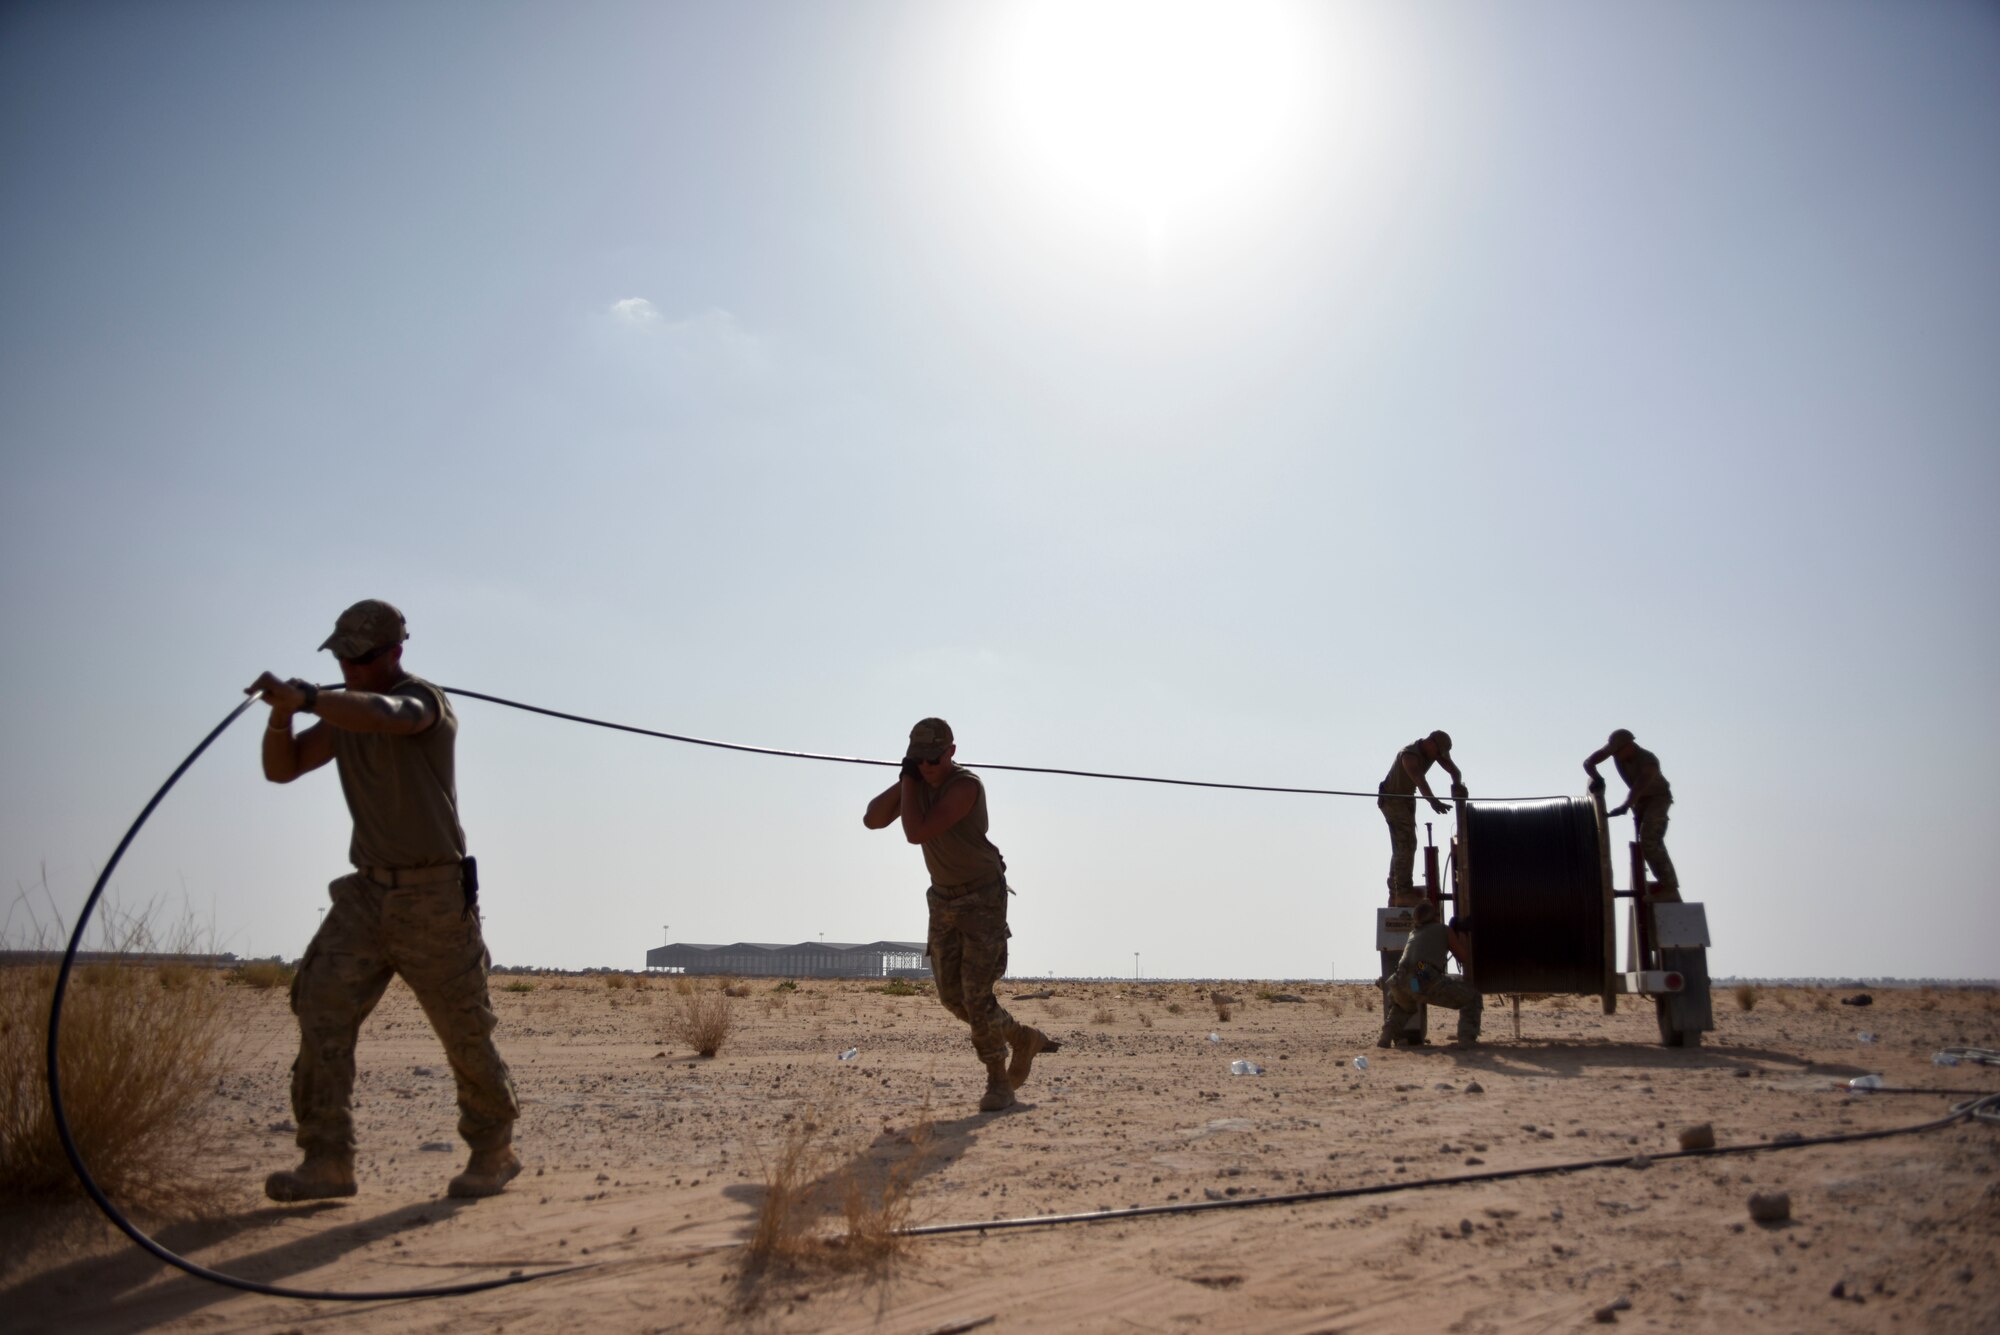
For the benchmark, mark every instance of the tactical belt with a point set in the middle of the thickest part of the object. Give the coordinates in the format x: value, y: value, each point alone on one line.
x: 397, y: 878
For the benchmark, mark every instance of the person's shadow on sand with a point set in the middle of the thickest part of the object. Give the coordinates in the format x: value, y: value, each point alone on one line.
x: 90, y: 1294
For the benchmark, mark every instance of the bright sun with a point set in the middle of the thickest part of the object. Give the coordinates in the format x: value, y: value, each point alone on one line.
x: 1163, y: 114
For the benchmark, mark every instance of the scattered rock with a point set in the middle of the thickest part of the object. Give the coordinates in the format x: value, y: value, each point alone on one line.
x: 1474, y: 1087
x: 1698, y: 1137
x: 1787, y: 1138
x: 1465, y: 1228
x: 421, y: 1070
x: 285, y: 1125
x: 435, y: 1147
x: 1473, y: 1161
x: 1609, y: 1312
x: 1773, y: 1207
x: 1858, y: 999
x: 1742, y: 1073
x: 1639, y: 1161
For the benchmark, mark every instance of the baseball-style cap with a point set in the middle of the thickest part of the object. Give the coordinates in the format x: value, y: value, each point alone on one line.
x: 369, y: 624
x: 1619, y: 738
x: 930, y: 739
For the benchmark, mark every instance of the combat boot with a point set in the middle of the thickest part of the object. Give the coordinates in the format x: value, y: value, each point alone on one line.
x: 999, y: 1090
x: 321, y: 1177
x: 1028, y: 1043
x: 488, y: 1172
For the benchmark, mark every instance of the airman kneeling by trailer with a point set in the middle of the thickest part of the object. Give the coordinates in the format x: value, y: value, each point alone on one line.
x: 1420, y: 979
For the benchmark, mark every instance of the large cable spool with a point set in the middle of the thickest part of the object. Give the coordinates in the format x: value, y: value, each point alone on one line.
x: 1531, y: 877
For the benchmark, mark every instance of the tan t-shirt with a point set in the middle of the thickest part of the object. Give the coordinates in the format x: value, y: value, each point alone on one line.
x: 1399, y: 781
x: 1642, y: 775
x: 962, y: 856
x: 402, y: 791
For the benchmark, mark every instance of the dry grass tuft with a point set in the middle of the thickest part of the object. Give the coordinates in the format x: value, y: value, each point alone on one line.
x: 683, y: 985
x: 616, y: 982
x: 1746, y: 996
x: 736, y: 990
x: 702, y: 1020
x: 783, y: 1235
x: 1145, y: 1020
x: 1175, y: 1008
x: 141, y: 1050
x: 1222, y: 1011
x: 876, y: 1212
x: 261, y: 974
x: 517, y: 985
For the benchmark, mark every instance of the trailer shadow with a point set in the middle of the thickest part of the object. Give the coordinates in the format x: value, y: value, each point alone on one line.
x: 1567, y: 1058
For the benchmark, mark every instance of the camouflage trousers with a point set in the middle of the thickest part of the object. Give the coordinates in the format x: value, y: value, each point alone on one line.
x: 1401, y: 813
x: 968, y: 944
x: 1652, y: 822
x: 1451, y: 993
x: 424, y: 935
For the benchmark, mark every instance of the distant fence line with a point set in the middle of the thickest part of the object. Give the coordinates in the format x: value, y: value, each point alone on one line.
x: 136, y: 958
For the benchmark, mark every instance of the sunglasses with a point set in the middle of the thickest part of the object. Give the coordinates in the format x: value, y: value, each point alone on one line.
x: 363, y: 660
x: 933, y: 760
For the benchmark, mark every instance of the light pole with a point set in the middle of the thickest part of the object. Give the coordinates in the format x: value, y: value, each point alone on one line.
x: 1135, y: 966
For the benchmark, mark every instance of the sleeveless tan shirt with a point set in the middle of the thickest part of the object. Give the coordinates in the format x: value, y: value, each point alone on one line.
x: 1399, y: 781
x: 1642, y: 775
x: 402, y: 791
x: 962, y: 857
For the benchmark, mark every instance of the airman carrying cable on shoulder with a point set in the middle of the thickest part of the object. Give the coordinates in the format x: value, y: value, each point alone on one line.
x: 409, y: 908
x: 942, y: 807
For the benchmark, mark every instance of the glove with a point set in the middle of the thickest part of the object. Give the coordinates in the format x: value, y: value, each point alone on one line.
x: 910, y: 770
x: 1458, y: 792
x: 1597, y: 783
x: 1618, y: 810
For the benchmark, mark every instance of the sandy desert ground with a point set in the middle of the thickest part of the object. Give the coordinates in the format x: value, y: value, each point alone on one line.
x: 648, y: 1164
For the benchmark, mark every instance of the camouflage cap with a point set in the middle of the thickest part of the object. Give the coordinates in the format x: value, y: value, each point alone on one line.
x: 930, y: 739
x: 369, y: 624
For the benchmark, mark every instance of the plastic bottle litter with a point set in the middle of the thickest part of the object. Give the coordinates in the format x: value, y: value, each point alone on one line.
x: 1865, y: 1082
x: 1241, y: 1067
x: 1944, y: 1059
x: 850, y: 1054
x: 1360, y: 1063
x: 1864, y: 1037
x: 1215, y: 1038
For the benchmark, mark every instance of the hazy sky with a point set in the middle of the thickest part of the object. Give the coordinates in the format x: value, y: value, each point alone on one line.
x: 1226, y: 391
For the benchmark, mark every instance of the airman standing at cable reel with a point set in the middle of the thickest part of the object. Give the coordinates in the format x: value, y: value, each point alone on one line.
x: 1648, y: 796
x: 1396, y: 799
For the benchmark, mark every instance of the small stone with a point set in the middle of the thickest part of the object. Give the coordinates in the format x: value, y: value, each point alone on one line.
x: 280, y: 1127
x: 1640, y: 1162
x: 1465, y: 1228
x: 1609, y: 1312
x: 1474, y: 1087
x: 1773, y: 1207
x: 1963, y: 1274
x: 1473, y: 1161
x: 1698, y: 1137
x: 1742, y: 1073
x: 434, y: 1147
x: 1787, y: 1138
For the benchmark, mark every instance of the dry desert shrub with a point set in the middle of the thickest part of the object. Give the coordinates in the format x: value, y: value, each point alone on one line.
x: 784, y: 1218
x: 1561, y: 1002
x: 1102, y: 1015
x: 139, y: 1060
x: 683, y: 985
x: 1222, y: 1011
x: 876, y: 1212
x: 261, y: 974
x: 1746, y: 997
x: 517, y: 985
x: 1822, y: 1002
x: 874, y: 1206
x: 1145, y: 1020
x: 736, y: 990
x: 1175, y: 1008
x: 701, y: 1020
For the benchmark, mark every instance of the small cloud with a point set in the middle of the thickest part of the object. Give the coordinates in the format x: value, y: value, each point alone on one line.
x: 635, y: 311
x: 706, y: 346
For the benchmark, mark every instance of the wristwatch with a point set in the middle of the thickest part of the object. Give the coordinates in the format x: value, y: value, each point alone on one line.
x: 312, y: 697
